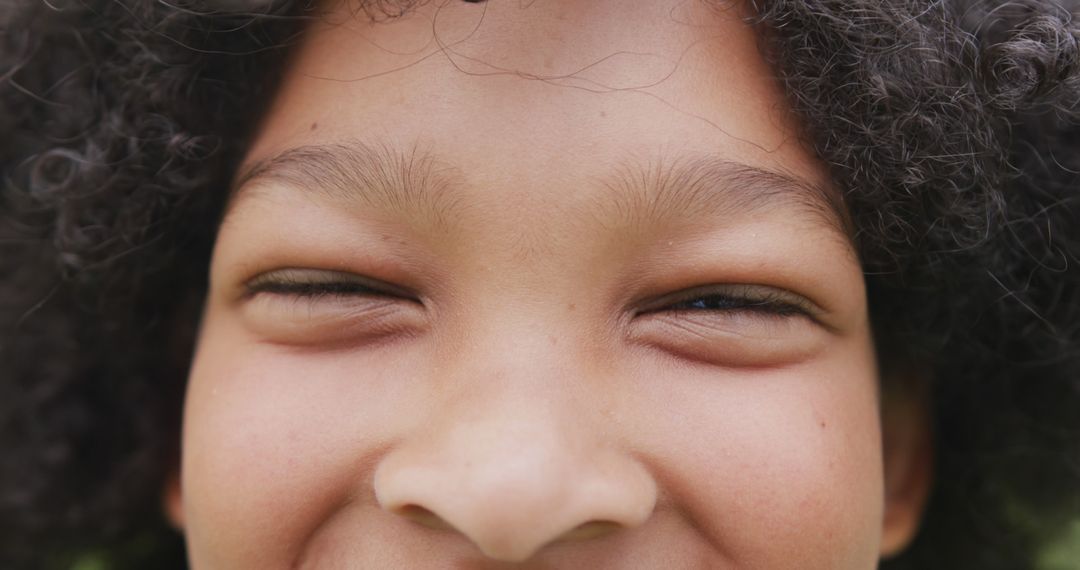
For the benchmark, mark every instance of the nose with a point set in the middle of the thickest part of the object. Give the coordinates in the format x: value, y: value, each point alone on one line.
x: 513, y: 474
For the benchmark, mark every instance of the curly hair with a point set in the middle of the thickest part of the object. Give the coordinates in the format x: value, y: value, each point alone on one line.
x: 951, y: 129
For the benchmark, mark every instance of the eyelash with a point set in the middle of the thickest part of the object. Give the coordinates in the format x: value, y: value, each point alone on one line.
x: 309, y: 286
x: 313, y: 290
x: 763, y: 303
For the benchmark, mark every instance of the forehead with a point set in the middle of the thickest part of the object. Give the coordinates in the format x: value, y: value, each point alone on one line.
x: 542, y: 100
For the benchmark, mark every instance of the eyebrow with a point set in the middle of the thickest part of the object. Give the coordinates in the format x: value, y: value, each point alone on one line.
x: 706, y: 186
x: 412, y: 182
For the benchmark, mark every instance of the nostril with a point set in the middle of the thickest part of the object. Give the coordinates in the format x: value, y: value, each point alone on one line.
x: 423, y: 516
x: 589, y: 530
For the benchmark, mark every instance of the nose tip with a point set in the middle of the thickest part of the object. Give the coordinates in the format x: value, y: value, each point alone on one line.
x: 511, y: 507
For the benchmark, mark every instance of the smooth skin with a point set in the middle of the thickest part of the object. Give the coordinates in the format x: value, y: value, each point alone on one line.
x: 539, y: 285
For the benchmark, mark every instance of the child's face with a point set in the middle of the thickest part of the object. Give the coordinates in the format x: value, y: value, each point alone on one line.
x: 521, y: 290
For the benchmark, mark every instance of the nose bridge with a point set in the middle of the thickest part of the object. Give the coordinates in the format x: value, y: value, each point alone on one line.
x: 514, y: 460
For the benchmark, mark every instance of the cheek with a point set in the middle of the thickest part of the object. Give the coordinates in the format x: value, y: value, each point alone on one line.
x: 774, y: 466
x: 276, y: 441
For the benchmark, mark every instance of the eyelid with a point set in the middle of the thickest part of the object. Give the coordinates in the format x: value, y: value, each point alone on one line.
x: 765, y: 294
x: 298, y: 276
x: 326, y: 309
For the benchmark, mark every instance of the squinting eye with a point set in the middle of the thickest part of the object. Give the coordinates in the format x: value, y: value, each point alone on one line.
x: 314, y: 283
x: 732, y: 325
x: 763, y: 301
x: 730, y: 303
x: 328, y: 309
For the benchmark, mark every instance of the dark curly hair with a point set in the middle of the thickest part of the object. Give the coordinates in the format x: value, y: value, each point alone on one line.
x: 951, y: 128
